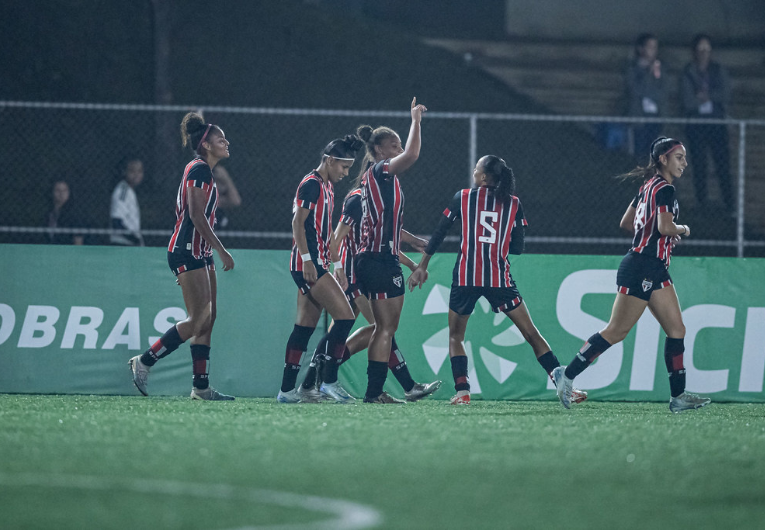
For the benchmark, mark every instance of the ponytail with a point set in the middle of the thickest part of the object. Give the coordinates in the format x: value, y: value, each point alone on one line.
x: 371, y: 137
x: 503, y: 177
x: 661, y: 146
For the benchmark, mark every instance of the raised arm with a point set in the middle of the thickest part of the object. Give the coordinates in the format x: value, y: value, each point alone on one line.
x: 412, y: 150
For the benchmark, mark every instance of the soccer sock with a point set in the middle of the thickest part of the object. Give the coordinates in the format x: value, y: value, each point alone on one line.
x: 548, y: 361
x: 296, y: 345
x: 460, y: 372
x: 200, y: 354
x: 398, y: 366
x: 673, y: 357
x: 335, y: 348
x: 377, y: 371
x: 594, y: 346
x: 166, y: 345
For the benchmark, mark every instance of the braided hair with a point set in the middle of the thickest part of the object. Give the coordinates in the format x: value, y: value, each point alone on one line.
x: 661, y: 146
x: 502, y: 177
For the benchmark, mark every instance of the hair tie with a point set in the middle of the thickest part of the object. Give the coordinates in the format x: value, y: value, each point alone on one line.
x: 204, y: 136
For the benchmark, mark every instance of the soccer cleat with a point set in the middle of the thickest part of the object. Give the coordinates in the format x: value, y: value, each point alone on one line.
x: 288, y: 397
x: 578, y: 396
x: 140, y: 374
x: 687, y: 401
x: 462, y: 397
x: 310, y: 395
x: 563, y: 385
x: 209, y: 394
x: 336, y: 392
x: 384, y: 398
x: 421, y: 390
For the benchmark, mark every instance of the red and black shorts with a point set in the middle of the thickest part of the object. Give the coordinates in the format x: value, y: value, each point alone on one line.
x: 304, y: 286
x: 180, y: 262
x: 379, y: 275
x: 353, y: 291
x: 640, y: 275
x: 462, y: 299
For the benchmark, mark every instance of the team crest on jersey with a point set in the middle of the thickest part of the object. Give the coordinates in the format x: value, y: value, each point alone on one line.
x: 647, y: 284
x: 398, y: 280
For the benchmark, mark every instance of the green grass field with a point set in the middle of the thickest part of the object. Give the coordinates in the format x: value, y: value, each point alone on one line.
x: 130, y: 462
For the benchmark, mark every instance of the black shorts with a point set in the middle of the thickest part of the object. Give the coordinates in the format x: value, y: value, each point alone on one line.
x: 379, y: 275
x: 180, y: 262
x: 353, y: 291
x: 640, y: 275
x: 304, y: 286
x: 462, y: 299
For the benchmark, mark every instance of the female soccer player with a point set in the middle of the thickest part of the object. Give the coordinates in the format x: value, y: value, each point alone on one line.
x: 190, y: 257
x: 643, y: 278
x: 492, y: 222
x: 348, y: 237
x: 377, y: 263
x: 312, y: 252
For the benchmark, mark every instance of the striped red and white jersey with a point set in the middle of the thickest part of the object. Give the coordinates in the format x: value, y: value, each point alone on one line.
x: 352, y: 216
x: 486, y: 232
x: 318, y: 197
x: 654, y: 197
x: 383, y: 210
x: 185, y: 236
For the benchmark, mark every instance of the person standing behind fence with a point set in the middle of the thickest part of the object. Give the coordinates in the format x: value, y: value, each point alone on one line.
x: 706, y: 91
x: 646, y: 91
x: 312, y: 252
x: 378, y: 266
x: 228, y: 197
x: 125, y: 212
x: 492, y: 222
x: 190, y: 258
x: 643, y: 278
x: 63, y: 214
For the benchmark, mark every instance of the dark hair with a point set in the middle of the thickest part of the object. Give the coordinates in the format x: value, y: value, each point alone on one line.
x: 642, y: 39
x: 661, y: 146
x: 698, y: 38
x: 345, y: 147
x: 193, y: 129
x: 502, y: 177
x: 371, y: 137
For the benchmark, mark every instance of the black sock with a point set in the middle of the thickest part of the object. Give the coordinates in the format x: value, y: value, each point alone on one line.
x: 296, y: 345
x: 594, y: 346
x: 335, y: 348
x: 548, y: 361
x: 460, y: 372
x: 673, y: 357
x: 200, y: 355
x: 376, y: 374
x: 166, y: 345
x: 398, y: 366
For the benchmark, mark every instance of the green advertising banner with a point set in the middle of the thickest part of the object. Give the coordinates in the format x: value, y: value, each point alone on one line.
x: 71, y: 317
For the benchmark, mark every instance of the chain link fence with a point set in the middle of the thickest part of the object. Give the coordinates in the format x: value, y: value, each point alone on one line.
x: 564, y: 166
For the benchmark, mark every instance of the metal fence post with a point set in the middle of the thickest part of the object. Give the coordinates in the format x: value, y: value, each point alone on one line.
x: 472, y: 152
x: 741, y: 181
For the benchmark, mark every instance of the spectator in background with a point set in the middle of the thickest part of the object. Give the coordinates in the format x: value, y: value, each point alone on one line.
x: 228, y: 196
x: 705, y: 90
x: 125, y: 212
x: 63, y: 214
x: 646, y: 91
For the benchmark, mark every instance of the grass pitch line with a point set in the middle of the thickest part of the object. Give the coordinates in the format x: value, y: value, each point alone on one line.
x: 346, y: 515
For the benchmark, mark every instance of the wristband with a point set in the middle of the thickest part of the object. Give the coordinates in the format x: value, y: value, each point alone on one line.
x: 337, y: 264
x: 306, y: 256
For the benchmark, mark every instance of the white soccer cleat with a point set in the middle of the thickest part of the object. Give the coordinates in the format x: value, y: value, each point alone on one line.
x: 310, y: 395
x: 578, y: 396
x: 421, y: 390
x: 462, y: 397
x: 687, y: 401
x: 288, y: 397
x: 140, y: 374
x: 336, y: 392
x: 209, y: 394
x: 563, y: 385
